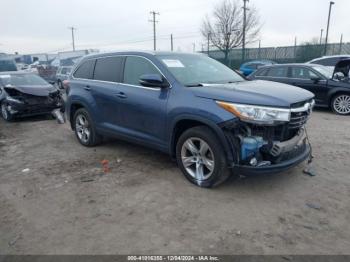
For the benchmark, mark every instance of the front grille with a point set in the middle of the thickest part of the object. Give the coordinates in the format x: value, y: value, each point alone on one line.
x: 298, y: 119
x: 286, y: 131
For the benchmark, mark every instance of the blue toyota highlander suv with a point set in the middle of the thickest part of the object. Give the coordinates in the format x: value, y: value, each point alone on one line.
x: 207, y: 117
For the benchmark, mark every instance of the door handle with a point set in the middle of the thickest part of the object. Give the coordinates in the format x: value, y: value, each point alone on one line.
x: 121, y: 95
x: 87, y: 88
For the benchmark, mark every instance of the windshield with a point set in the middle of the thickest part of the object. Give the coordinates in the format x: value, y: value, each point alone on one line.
x: 194, y: 69
x: 22, y: 80
x: 325, y: 71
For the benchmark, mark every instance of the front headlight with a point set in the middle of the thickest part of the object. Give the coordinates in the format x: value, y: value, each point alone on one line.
x: 257, y: 114
x: 13, y: 100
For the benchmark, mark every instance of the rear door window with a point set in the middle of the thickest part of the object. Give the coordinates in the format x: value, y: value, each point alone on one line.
x: 278, y: 72
x: 63, y: 71
x: 135, y: 67
x: 302, y: 73
x: 109, y: 69
x: 85, y: 70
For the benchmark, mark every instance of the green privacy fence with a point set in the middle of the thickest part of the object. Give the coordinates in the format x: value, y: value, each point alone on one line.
x: 284, y: 54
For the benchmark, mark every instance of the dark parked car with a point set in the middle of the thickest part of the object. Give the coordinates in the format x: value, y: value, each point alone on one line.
x: 250, y: 67
x: 62, y: 74
x: 330, y: 90
x: 24, y: 94
x: 192, y: 107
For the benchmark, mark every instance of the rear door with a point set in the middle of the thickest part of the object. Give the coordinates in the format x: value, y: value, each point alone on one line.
x: 305, y: 78
x: 142, y: 110
x: 105, y: 89
x: 277, y: 74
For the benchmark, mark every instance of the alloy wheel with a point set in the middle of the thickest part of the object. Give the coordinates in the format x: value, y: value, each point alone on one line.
x: 341, y: 104
x: 82, y: 128
x: 197, y: 158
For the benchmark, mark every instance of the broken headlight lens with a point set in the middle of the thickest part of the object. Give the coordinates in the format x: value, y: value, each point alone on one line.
x: 13, y: 100
x: 257, y: 114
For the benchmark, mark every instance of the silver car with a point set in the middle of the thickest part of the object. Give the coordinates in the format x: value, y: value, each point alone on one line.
x: 62, y: 74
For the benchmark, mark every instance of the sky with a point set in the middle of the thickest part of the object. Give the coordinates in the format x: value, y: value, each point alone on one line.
x: 42, y: 26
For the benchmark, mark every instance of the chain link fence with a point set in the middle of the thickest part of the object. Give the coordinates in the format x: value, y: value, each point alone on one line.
x: 283, y: 54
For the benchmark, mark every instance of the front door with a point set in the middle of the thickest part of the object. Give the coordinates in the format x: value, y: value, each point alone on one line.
x: 142, y: 110
x: 305, y: 78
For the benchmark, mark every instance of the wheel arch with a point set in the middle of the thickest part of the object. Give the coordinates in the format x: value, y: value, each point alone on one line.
x: 184, y: 123
x: 72, y: 109
x: 336, y: 92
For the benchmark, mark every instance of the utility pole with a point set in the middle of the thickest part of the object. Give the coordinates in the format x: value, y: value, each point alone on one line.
x: 154, y: 21
x: 244, y: 27
x: 341, y: 44
x: 208, y: 43
x: 329, y: 18
x: 72, y: 29
x: 295, y: 47
x: 194, y: 47
x: 259, y: 48
x: 321, y: 36
x: 171, y: 42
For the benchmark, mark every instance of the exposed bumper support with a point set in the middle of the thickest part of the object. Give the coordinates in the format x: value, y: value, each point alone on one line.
x: 276, y: 168
x: 279, y: 148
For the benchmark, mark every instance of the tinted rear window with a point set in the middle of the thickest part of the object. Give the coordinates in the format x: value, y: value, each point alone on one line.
x: 109, y: 69
x: 277, y: 72
x: 85, y: 70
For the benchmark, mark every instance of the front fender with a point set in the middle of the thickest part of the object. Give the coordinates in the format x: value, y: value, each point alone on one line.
x: 336, y: 90
x: 214, y: 126
x: 71, y: 101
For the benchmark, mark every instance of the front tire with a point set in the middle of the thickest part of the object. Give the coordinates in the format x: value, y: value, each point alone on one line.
x: 340, y: 104
x: 84, y: 128
x: 201, y: 158
x: 6, y: 115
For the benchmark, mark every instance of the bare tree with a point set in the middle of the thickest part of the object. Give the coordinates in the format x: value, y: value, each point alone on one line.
x: 224, y: 29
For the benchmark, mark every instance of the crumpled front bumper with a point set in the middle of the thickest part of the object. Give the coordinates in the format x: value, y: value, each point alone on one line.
x: 273, y: 168
x: 287, y: 154
x: 23, y: 109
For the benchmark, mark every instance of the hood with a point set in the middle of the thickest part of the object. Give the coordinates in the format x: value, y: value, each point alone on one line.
x: 263, y: 93
x: 34, y: 90
x: 343, y: 66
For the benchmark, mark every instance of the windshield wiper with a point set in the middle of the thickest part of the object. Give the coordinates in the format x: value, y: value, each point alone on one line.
x: 194, y: 85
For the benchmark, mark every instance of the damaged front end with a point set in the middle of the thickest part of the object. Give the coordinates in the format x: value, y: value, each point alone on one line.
x: 23, y: 104
x: 269, y: 148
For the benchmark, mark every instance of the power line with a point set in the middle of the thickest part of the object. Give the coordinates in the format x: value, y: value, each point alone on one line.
x: 154, y: 21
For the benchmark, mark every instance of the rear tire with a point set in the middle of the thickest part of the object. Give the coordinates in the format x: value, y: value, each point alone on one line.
x: 6, y: 115
x: 84, y: 128
x: 340, y: 104
x: 201, y: 158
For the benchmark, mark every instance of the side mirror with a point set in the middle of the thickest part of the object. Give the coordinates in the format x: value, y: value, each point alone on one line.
x: 338, y: 75
x: 153, y: 80
x: 316, y: 79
